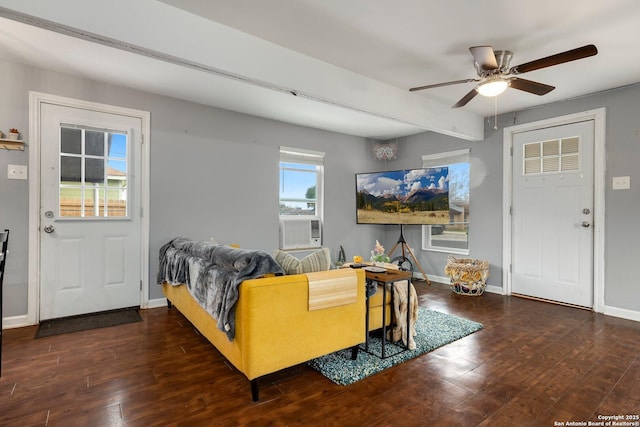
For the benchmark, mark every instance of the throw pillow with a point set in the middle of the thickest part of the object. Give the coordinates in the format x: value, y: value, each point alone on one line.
x: 288, y: 262
x: 319, y: 260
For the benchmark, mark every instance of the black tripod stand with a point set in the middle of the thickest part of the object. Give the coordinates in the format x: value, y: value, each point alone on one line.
x: 402, y: 259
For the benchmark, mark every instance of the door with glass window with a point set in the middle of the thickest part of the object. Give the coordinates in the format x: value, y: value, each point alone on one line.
x: 552, y: 213
x: 89, y: 211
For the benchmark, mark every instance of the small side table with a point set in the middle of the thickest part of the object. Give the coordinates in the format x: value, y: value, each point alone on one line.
x: 384, y: 278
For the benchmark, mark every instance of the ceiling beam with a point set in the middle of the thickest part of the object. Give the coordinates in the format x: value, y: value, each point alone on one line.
x: 164, y: 33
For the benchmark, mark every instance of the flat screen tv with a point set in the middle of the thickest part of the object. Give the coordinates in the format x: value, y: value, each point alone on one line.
x: 414, y: 196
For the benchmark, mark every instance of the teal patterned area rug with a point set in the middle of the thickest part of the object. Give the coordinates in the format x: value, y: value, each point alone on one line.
x: 434, y: 329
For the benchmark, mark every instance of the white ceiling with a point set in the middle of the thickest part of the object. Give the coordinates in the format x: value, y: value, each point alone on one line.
x: 350, y: 62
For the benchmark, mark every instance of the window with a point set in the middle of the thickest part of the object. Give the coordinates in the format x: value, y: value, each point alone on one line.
x: 558, y: 155
x: 93, y: 173
x: 301, y: 179
x: 454, y: 236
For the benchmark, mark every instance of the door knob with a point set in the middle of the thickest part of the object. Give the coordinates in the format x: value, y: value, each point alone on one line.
x: 585, y: 224
x: 49, y: 228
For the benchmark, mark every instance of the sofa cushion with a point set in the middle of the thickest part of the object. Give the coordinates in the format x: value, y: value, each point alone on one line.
x: 319, y: 260
x: 376, y: 299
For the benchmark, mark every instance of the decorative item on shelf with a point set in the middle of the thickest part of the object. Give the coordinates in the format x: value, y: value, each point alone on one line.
x: 13, y: 134
x: 357, y: 259
x: 378, y: 257
x: 468, y: 276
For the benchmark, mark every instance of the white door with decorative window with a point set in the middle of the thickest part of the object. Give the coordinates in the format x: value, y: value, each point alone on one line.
x: 552, y: 213
x: 90, y: 225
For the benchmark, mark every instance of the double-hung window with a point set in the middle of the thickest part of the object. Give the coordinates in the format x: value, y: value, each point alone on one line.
x: 452, y: 237
x: 301, y: 179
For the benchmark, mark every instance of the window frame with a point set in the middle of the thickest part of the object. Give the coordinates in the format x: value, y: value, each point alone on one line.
x: 298, y: 156
x: 103, y: 188
x: 440, y: 160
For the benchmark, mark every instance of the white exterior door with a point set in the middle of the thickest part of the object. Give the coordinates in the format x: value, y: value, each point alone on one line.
x: 90, y: 225
x: 552, y: 213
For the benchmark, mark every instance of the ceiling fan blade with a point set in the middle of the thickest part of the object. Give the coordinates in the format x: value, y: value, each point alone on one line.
x: 484, y: 56
x: 455, y: 82
x: 465, y: 99
x: 558, y: 58
x: 530, y: 86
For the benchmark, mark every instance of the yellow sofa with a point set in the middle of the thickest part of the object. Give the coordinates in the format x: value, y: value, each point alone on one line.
x: 275, y: 328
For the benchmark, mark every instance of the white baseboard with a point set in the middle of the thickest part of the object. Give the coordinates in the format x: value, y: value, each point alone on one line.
x: 622, y: 313
x: 432, y: 278
x: 446, y: 280
x: 15, y: 322
x: 156, y: 303
x: 494, y: 289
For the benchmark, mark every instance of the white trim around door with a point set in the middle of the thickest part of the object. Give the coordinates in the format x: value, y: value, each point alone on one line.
x: 599, y: 118
x: 36, y: 99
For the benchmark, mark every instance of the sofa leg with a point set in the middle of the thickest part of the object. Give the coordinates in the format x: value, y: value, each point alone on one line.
x: 169, y: 305
x: 255, y: 391
x: 354, y: 352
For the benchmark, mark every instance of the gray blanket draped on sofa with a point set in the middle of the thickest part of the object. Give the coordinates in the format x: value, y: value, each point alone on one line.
x: 213, y: 273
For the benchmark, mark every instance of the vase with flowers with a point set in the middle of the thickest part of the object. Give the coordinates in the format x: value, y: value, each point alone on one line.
x: 378, y: 257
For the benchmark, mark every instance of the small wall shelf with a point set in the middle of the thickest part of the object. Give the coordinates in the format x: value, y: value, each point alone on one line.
x: 11, y: 144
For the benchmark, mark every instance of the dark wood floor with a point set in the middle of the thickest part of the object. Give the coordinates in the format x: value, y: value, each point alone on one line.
x: 533, y: 364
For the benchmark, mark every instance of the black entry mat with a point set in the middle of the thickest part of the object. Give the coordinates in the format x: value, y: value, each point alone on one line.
x: 85, y: 322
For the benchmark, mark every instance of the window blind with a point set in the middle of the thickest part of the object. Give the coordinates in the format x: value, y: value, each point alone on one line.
x: 299, y: 155
x: 444, y: 159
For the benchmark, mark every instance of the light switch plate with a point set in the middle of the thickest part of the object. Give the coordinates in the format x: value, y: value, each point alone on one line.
x: 621, y: 182
x: 17, y: 172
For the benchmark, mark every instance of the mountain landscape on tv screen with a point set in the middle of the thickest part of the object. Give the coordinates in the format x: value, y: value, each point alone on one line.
x: 415, y: 196
x: 424, y: 206
x: 417, y: 200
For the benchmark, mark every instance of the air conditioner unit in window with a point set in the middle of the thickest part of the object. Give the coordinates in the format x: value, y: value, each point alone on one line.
x: 299, y: 232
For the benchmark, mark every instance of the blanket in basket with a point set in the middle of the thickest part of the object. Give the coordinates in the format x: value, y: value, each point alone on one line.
x: 212, y: 274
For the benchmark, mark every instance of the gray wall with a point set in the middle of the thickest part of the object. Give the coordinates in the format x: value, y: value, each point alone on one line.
x: 214, y: 173
x: 14, y: 194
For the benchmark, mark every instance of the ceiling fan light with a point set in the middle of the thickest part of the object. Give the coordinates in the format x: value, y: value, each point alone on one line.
x: 492, y: 87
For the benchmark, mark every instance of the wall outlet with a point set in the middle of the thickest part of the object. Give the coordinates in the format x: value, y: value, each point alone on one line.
x: 17, y: 172
x: 621, y: 182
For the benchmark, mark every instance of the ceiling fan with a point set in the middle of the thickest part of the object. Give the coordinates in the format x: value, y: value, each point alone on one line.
x: 495, y: 76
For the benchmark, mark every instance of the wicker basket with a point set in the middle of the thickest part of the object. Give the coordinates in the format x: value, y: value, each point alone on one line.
x: 468, y: 276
